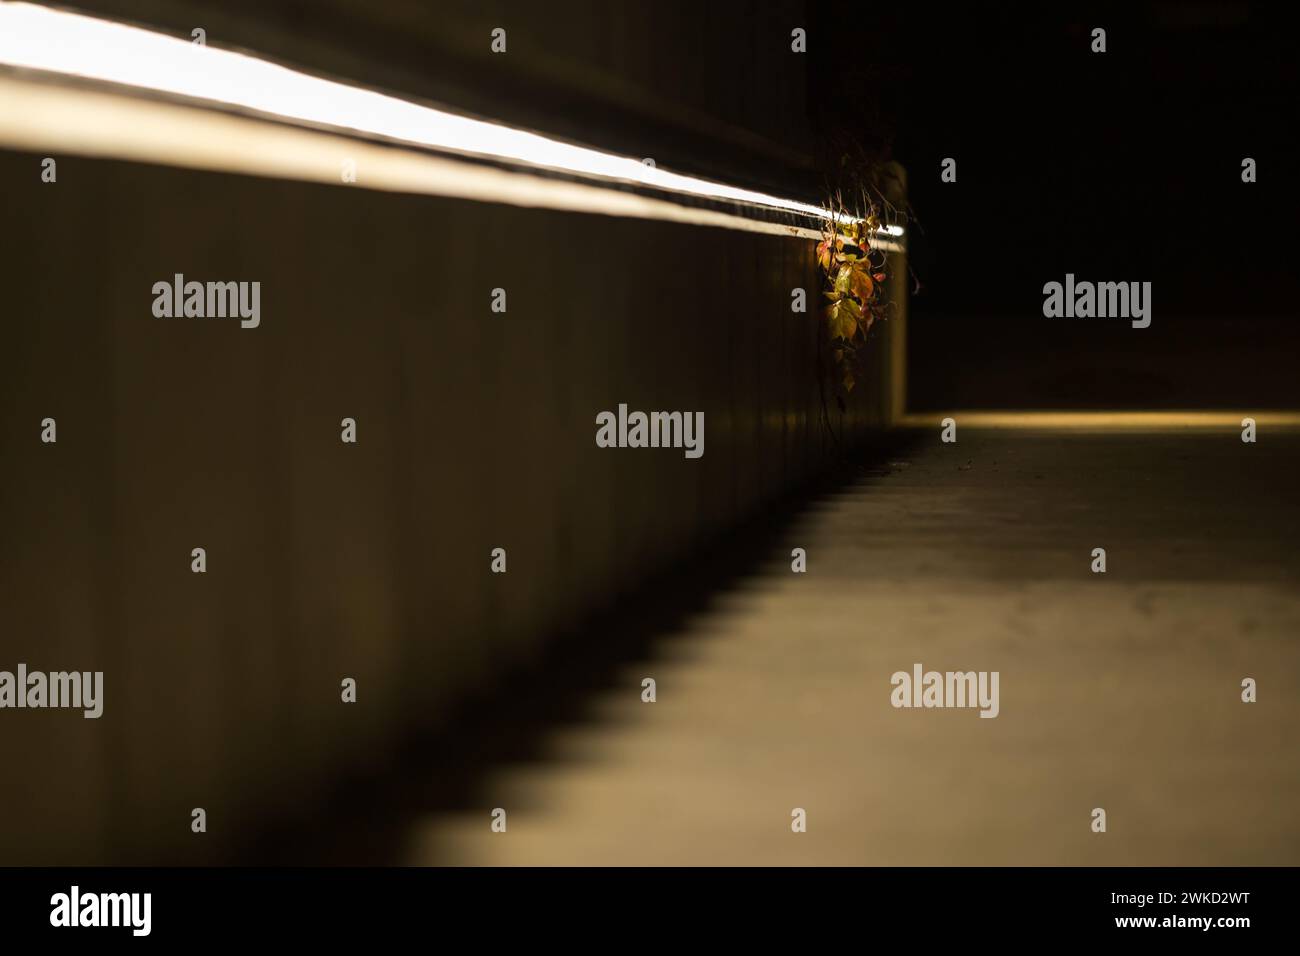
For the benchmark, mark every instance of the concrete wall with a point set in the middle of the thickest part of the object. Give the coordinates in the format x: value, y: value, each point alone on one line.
x: 708, y: 88
x: 328, y: 560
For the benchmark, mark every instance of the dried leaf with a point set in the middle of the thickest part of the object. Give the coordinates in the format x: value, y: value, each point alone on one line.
x: 824, y: 254
x: 860, y: 284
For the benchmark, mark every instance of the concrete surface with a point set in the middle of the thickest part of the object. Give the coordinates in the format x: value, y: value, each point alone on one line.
x: 1119, y: 691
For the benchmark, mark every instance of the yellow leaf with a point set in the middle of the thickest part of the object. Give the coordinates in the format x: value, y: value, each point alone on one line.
x: 844, y: 279
x: 824, y: 254
x: 844, y: 316
x: 860, y: 283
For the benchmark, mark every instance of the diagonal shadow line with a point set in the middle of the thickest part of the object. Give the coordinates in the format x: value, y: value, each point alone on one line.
x: 366, y: 819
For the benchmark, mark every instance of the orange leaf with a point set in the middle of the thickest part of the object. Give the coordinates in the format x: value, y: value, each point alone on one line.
x: 860, y: 284
x: 824, y: 254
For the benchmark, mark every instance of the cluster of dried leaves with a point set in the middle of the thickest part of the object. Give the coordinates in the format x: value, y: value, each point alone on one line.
x: 854, y: 273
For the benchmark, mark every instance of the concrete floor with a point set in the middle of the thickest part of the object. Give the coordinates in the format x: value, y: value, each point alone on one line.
x: 1118, y: 690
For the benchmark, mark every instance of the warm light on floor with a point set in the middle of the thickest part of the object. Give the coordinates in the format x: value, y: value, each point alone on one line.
x: 1103, y: 420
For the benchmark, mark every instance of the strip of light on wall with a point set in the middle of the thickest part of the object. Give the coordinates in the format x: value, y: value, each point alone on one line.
x: 71, y: 44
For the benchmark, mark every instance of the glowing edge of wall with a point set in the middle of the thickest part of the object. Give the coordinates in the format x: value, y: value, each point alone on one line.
x: 43, y: 114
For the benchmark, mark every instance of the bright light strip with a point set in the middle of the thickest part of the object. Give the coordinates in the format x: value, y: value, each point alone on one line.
x: 56, y: 41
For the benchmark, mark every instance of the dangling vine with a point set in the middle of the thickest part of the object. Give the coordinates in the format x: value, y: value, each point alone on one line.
x: 854, y: 271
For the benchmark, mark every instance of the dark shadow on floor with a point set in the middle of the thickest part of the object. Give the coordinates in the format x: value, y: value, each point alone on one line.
x: 366, y: 820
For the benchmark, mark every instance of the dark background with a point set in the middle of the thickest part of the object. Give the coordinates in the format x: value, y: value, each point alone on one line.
x: 1121, y: 166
